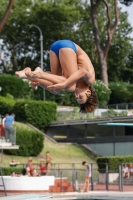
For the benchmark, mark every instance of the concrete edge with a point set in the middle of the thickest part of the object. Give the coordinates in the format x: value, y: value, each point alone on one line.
x: 33, y: 127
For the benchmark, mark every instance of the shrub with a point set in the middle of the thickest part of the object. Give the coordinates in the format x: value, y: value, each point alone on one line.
x: 113, y: 162
x: 11, y: 84
x: 121, y: 92
x: 103, y: 93
x: 37, y: 113
x: 113, y: 113
x: 6, y: 105
x: 18, y: 88
x: 31, y: 142
x: 6, y: 171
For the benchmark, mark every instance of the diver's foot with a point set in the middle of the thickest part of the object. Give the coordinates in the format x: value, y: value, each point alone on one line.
x: 22, y: 73
x: 34, y: 74
x: 38, y: 69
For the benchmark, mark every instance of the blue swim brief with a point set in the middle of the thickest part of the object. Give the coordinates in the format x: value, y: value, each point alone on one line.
x: 56, y: 46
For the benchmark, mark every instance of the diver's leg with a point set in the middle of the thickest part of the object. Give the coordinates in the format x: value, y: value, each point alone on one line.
x: 68, y: 60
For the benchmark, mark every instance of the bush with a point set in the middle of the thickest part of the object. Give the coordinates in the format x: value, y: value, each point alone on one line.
x: 37, y: 113
x: 6, y: 171
x: 31, y: 142
x: 18, y: 88
x: 6, y: 105
x: 11, y: 84
x: 113, y: 162
x: 113, y: 113
x: 121, y: 92
x: 103, y: 93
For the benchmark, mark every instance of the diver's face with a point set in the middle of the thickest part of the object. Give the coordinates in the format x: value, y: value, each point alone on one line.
x: 81, y: 95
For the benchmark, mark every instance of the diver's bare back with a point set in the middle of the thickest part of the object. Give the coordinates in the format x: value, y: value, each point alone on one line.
x: 80, y: 60
x: 83, y: 60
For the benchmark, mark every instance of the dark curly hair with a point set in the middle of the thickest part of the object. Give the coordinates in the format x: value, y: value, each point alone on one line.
x: 91, y: 103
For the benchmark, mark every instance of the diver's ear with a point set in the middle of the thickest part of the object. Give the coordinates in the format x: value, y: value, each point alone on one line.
x: 88, y: 92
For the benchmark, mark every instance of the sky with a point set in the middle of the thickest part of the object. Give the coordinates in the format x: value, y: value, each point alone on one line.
x: 129, y: 10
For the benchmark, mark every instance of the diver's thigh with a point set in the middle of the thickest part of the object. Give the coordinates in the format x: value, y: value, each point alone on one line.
x: 68, y: 61
x: 55, y: 64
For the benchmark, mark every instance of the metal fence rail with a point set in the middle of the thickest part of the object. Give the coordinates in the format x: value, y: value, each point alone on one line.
x: 114, y: 110
x: 12, y: 136
x: 101, y: 179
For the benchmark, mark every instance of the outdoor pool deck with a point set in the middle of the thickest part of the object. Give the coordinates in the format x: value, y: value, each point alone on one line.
x: 92, y: 195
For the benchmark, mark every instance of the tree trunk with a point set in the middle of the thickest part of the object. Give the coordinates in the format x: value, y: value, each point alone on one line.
x: 6, y: 15
x: 103, y: 66
x: 14, y: 59
x: 103, y: 50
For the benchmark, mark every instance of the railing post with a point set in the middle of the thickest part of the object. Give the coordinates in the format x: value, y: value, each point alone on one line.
x: 120, y: 178
x: 54, y: 170
x: 92, y: 186
x: 73, y: 172
x: 58, y: 170
x: 14, y: 135
x: 126, y: 106
x: 61, y: 181
x: 107, y: 182
x: 76, y: 183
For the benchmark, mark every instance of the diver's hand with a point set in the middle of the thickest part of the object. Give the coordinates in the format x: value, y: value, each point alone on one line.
x: 34, y: 84
x: 57, y: 87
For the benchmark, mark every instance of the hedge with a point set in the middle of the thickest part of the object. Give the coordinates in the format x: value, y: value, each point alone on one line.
x: 103, y: 93
x: 121, y: 92
x: 113, y: 162
x: 7, y: 171
x: 11, y: 84
x: 37, y: 113
x: 6, y: 105
x: 31, y: 142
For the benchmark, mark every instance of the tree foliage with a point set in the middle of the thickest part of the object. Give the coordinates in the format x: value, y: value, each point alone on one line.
x: 126, y: 2
x: 23, y: 43
x: 31, y: 142
x: 6, y: 14
x: 22, y: 47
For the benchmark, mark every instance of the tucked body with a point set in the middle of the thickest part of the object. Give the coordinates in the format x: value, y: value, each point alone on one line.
x: 71, y: 69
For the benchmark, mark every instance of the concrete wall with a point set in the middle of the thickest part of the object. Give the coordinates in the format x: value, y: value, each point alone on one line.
x: 25, y: 183
x: 110, y: 149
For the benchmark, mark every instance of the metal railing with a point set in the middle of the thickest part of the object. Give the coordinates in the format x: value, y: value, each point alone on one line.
x: 101, y: 179
x: 114, y: 110
x: 12, y: 136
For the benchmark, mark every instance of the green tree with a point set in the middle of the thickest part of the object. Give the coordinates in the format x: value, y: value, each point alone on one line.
x: 110, y: 18
x: 6, y: 14
x: 109, y: 29
x: 119, y: 57
x: 23, y: 43
x: 126, y: 2
x: 118, y: 54
x: 75, y: 23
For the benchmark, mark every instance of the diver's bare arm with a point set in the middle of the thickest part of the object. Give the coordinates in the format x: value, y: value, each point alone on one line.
x: 81, y: 73
x: 44, y: 84
x: 55, y: 79
x: 71, y: 81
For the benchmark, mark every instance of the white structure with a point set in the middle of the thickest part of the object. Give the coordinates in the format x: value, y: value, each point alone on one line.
x: 25, y: 183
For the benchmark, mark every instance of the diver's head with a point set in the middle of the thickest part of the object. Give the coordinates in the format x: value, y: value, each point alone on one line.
x: 86, y: 98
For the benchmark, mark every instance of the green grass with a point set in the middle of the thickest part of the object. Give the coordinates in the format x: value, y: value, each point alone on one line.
x: 65, y: 154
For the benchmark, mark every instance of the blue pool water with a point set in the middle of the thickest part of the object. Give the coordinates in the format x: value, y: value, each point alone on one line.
x: 105, y: 198
x: 26, y: 196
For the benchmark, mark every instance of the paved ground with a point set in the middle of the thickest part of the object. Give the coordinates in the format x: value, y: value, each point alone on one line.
x: 93, y: 195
